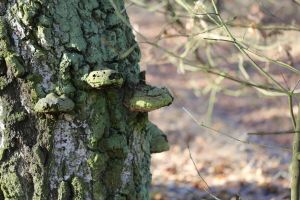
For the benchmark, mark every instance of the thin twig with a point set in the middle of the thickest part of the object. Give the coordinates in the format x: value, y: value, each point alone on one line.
x: 296, y: 86
x: 265, y: 27
x: 272, y: 133
x: 231, y: 137
x: 290, y: 99
x: 207, y: 188
x: 208, y: 69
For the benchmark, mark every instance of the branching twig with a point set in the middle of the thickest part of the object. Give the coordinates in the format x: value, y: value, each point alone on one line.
x: 239, y: 47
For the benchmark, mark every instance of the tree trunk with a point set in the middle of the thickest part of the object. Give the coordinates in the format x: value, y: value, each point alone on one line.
x: 73, y: 103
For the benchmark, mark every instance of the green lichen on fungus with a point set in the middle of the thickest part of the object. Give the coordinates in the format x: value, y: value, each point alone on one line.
x: 54, y: 104
x: 159, y: 142
x: 78, y: 189
x: 146, y: 98
x: 64, y: 191
x: 11, y: 186
x: 104, y: 78
x: 14, y: 64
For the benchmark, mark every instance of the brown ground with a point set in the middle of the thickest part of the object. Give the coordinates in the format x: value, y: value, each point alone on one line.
x: 229, y: 167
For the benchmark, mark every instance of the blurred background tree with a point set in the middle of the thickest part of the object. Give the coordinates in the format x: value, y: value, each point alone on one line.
x: 243, y: 49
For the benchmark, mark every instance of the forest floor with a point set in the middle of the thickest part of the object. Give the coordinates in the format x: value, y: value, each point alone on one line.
x: 230, y: 168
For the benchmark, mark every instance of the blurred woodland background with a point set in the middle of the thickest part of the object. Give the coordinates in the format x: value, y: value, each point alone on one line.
x: 234, y: 75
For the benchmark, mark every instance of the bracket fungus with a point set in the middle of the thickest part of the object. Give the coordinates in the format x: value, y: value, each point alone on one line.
x: 54, y: 104
x: 159, y: 141
x: 146, y: 98
x: 104, y: 78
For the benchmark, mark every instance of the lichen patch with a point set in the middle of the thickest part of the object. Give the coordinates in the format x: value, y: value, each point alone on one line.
x: 70, y: 153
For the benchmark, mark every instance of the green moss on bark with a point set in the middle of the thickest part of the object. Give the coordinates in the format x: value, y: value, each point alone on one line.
x: 64, y: 191
x: 11, y: 186
x: 115, y: 145
x: 79, y: 190
x: 14, y: 64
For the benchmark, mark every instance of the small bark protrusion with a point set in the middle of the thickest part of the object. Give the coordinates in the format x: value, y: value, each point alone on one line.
x: 14, y: 64
x: 159, y: 141
x: 54, y: 104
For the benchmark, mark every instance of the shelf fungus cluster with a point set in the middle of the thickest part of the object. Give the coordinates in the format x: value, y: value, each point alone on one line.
x: 143, y: 98
x: 146, y: 98
x: 100, y: 79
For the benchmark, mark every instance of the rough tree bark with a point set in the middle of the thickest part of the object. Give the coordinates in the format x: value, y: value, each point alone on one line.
x: 73, y: 103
